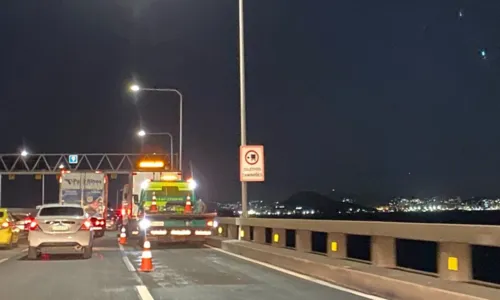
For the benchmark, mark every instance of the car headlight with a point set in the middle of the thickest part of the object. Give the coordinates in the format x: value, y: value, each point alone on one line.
x: 144, y: 224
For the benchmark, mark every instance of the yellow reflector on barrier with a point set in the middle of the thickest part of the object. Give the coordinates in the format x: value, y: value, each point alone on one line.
x: 276, y: 238
x: 219, y: 230
x: 242, y: 233
x: 334, y: 247
x: 452, y: 263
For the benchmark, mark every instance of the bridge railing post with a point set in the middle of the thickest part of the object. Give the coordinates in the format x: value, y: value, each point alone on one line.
x: 259, y: 235
x: 232, y: 231
x: 383, y: 251
x: 221, y: 230
x: 303, y: 240
x: 337, y: 245
x: 455, y: 261
x: 245, y: 233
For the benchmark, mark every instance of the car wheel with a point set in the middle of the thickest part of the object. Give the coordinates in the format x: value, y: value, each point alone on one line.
x: 87, y: 252
x: 32, y: 253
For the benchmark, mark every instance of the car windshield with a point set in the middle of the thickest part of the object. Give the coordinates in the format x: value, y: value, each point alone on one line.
x: 62, y: 211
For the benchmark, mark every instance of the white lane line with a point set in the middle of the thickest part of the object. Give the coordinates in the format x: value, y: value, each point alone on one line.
x: 301, y: 276
x: 128, y: 264
x: 143, y: 292
x: 3, y: 260
x: 24, y: 250
x: 126, y: 260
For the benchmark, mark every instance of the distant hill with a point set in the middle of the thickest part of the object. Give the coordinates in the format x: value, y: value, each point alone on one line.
x: 321, y: 202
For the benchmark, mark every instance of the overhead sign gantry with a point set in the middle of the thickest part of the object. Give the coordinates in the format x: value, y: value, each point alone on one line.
x: 52, y: 163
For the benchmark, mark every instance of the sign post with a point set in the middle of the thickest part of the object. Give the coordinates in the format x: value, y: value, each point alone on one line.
x: 252, y: 163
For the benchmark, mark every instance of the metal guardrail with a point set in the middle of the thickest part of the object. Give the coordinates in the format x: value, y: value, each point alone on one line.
x: 454, y: 257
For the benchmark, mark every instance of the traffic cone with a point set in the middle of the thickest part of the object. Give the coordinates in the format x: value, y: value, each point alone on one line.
x: 153, y: 207
x: 123, y: 237
x: 188, y: 208
x: 147, y: 258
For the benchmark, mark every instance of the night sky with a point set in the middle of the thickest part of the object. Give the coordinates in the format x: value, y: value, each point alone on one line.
x: 378, y: 98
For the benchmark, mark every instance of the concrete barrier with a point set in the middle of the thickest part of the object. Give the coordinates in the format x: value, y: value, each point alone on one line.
x: 381, y: 276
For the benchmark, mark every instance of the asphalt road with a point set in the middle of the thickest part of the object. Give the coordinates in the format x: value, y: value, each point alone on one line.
x: 180, y: 272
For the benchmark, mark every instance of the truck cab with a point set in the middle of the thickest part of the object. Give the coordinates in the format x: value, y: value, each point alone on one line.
x: 169, y: 212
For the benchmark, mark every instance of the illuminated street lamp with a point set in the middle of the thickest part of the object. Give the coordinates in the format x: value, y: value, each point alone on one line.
x: 141, y: 133
x: 135, y: 88
x: 24, y: 153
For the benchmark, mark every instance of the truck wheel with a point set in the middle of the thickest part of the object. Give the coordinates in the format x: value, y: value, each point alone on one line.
x: 87, y: 252
x: 32, y: 253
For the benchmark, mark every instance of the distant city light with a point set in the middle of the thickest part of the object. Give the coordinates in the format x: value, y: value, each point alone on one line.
x: 483, y: 53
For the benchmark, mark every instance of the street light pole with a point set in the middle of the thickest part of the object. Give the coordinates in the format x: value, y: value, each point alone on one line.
x: 143, y: 133
x: 244, y: 190
x: 43, y: 189
x: 136, y: 88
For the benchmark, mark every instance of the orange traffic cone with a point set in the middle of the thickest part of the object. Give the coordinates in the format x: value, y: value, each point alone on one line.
x: 188, y: 208
x: 147, y: 258
x: 123, y: 237
x: 153, y: 207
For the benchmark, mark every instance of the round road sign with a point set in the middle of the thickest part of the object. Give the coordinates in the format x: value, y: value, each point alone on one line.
x: 251, y: 157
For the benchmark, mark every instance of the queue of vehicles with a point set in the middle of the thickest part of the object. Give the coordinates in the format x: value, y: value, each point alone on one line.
x: 159, y: 206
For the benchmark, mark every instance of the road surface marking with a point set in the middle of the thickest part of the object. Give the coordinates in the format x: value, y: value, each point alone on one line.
x: 301, y: 276
x: 3, y: 260
x: 143, y: 292
x: 126, y: 261
x: 24, y: 250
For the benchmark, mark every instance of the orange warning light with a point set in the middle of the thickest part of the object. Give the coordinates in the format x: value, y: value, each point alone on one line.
x: 153, y: 164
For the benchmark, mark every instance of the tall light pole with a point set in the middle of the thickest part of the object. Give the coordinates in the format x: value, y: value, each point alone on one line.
x: 243, y: 125
x: 136, y: 88
x: 143, y: 133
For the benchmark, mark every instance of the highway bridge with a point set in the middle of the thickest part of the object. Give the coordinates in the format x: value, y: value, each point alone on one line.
x: 251, y: 259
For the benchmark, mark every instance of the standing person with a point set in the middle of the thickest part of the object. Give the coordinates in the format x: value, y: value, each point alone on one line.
x: 201, y: 207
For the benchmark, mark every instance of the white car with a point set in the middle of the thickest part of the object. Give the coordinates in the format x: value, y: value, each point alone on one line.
x: 60, y: 228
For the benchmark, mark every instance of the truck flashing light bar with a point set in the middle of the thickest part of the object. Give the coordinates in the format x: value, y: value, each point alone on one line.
x: 171, y: 176
x: 155, y: 164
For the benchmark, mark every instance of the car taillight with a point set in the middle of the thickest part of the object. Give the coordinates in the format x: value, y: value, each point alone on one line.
x: 86, y: 225
x: 34, y: 226
x: 97, y: 222
x: 210, y: 223
x: 5, y: 225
